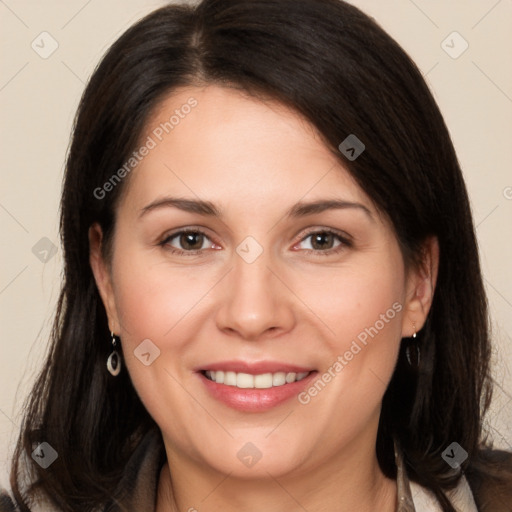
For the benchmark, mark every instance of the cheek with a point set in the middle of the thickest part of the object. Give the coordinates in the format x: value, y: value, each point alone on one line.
x: 358, y: 302
x: 362, y: 306
x: 151, y: 299
x: 156, y: 303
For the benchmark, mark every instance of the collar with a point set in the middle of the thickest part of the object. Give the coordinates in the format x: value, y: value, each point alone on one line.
x: 412, y: 497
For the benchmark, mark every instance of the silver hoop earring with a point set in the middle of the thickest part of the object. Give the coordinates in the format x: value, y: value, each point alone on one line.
x: 114, y: 359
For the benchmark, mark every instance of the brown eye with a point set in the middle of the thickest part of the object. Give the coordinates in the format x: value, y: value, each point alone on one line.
x: 191, y: 241
x: 322, y: 241
x: 186, y: 242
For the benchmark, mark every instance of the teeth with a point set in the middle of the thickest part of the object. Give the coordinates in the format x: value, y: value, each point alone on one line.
x: 229, y: 378
x: 244, y: 380
x: 290, y: 377
x: 261, y: 381
x: 278, y: 379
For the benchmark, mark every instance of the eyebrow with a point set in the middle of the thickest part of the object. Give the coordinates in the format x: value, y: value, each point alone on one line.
x: 207, y: 208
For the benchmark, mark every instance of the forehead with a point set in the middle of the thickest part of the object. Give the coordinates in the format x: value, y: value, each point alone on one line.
x: 220, y: 144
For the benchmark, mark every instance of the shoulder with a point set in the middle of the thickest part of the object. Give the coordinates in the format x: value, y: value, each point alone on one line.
x: 490, y: 478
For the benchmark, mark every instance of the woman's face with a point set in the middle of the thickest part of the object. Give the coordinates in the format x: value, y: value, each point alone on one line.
x: 288, y: 272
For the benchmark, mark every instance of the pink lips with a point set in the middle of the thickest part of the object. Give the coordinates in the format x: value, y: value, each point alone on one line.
x: 254, y: 400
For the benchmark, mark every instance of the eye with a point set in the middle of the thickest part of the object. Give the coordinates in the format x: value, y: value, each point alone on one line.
x: 190, y: 242
x: 325, y: 242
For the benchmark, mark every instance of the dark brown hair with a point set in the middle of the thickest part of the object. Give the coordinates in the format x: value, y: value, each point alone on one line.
x: 335, y: 66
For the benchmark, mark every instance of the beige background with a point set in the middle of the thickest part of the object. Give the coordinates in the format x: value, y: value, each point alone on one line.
x: 38, y: 98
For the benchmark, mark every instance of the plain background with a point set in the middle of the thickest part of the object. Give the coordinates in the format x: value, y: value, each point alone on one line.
x: 39, y: 96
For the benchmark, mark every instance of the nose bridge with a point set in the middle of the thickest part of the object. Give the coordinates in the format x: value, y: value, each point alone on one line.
x: 255, y: 301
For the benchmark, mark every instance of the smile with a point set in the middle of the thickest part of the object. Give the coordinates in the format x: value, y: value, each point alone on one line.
x: 254, y: 386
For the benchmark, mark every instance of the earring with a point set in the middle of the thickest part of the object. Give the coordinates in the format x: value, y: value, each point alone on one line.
x: 412, y: 351
x: 114, y: 359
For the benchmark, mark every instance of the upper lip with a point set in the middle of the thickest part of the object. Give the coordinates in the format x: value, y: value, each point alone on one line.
x: 254, y: 368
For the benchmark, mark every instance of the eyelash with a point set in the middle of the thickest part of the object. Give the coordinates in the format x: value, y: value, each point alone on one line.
x: 345, y: 242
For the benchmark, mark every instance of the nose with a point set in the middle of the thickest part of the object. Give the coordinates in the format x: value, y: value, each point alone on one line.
x: 255, y: 303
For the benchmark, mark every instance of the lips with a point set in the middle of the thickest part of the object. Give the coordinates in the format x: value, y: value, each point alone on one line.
x: 254, y: 387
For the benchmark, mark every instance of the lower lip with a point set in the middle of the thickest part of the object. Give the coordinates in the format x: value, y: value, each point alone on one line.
x: 255, y: 400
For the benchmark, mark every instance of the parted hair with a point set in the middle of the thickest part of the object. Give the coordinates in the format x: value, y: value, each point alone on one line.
x: 339, y: 69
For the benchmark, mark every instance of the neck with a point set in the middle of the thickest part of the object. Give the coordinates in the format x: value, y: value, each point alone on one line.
x: 349, y: 481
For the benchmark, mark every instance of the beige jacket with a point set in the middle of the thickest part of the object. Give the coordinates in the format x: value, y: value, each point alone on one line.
x: 139, y: 487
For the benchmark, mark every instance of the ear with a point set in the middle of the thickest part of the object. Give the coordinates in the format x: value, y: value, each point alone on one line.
x: 420, y: 287
x: 102, y: 276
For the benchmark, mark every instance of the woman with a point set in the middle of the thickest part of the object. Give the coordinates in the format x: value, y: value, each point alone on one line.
x: 272, y: 295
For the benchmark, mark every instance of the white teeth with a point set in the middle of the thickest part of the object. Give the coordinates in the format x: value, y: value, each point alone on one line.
x: 244, y: 380
x: 290, y: 377
x: 229, y: 378
x: 278, y: 379
x: 261, y: 381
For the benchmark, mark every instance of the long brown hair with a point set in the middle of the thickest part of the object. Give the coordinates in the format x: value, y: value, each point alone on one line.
x: 339, y: 69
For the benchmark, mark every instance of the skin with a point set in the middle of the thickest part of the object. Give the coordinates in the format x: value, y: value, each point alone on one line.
x: 254, y: 160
